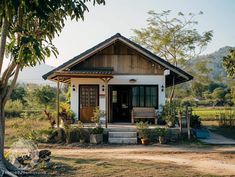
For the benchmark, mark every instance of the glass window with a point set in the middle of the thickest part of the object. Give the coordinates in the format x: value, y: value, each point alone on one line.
x: 145, y: 96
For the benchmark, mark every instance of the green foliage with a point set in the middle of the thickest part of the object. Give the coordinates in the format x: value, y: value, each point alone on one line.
x: 211, y: 113
x: 13, y: 108
x: 45, y: 95
x: 229, y: 63
x: 18, y: 93
x: 72, y: 134
x: 227, y: 119
x: 142, y: 125
x: 97, y: 130
x: 143, y: 130
x: 97, y: 114
x: 170, y: 112
x: 175, y: 39
x: 195, y: 121
x: 161, y: 132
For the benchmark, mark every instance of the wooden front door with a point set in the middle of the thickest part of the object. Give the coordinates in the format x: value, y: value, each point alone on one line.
x: 88, y: 101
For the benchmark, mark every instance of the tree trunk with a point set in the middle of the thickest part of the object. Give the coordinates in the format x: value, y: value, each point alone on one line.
x: 4, y: 166
x: 172, y: 94
x: 4, y: 31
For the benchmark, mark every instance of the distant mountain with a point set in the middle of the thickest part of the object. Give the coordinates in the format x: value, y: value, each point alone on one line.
x: 214, y: 63
x: 34, y: 75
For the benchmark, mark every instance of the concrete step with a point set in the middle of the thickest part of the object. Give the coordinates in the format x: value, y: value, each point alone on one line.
x: 123, y: 140
x: 122, y: 134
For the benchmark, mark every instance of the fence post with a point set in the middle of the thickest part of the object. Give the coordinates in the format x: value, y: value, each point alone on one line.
x: 188, y: 114
x: 180, y: 121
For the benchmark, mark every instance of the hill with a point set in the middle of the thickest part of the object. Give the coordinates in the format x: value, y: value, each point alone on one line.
x: 34, y: 74
x: 213, y: 63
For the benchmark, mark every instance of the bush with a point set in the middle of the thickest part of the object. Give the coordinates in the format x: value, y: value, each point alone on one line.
x: 97, y: 130
x: 195, y: 121
x: 13, y: 108
x: 170, y: 111
x: 161, y: 132
x: 72, y: 134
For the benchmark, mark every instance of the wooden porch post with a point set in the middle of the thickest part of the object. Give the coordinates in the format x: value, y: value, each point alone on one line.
x: 106, y: 103
x: 58, y: 103
x: 106, y: 80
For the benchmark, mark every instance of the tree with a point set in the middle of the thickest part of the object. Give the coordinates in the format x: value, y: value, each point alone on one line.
x: 45, y: 95
x: 174, y: 39
x: 18, y: 93
x: 229, y: 63
x: 27, y: 29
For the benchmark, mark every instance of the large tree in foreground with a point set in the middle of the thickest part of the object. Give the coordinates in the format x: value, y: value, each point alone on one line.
x: 175, y: 39
x: 27, y: 28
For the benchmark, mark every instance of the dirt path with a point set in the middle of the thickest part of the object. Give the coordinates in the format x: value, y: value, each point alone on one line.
x: 214, y: 160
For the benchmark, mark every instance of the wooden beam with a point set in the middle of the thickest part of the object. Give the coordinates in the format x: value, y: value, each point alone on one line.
x: 58, y: 103
x: 106, y: 80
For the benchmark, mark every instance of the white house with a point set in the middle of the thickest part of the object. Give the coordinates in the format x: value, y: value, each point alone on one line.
x: 116, y: 75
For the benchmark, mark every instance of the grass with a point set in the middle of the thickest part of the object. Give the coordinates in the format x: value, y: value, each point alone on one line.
x: 211, y: 113
x: 92, y: 167
x: 20, y: 128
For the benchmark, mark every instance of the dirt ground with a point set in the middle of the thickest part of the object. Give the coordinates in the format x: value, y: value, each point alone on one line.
x: 189, y: 161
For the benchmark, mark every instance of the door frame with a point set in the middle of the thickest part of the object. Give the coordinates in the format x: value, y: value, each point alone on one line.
x: 79, y: 91
x: 110, y: 111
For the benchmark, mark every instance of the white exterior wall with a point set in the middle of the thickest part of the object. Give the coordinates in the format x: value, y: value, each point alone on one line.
x: 116, y: 80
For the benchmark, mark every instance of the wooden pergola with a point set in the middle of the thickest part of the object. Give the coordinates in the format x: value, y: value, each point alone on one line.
x: 65, y: 77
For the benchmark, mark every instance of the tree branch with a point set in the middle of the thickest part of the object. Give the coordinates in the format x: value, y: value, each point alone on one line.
x: 4, y: 33
x: 11, y: 87
x: 7, y: 73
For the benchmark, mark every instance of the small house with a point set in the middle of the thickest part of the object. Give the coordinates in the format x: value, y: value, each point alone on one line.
x: 116, y: 75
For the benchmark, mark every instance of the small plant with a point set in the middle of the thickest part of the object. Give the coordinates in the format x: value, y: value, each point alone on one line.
x: 80, y: 124
x: 97, y: 130
x: 161, y: 133
x: 97, y: 114
x: 142, y: 125
x: 96, y: 136
x: 143, y: 132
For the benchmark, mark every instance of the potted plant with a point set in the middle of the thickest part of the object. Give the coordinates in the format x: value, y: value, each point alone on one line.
x: 161, y: 133
x: 143, y: 132
x: 97, y: 114
x: 96, y: 136
x: 145, y: 136
x: 170, y: 113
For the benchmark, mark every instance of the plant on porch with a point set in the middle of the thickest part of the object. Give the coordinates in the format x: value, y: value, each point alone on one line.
x: 143, y: 132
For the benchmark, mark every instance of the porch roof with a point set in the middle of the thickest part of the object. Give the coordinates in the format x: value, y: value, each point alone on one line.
x: 176, y: 75
x: 65, y: 76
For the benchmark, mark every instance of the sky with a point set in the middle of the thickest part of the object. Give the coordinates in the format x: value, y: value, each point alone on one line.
x: 121, y: 16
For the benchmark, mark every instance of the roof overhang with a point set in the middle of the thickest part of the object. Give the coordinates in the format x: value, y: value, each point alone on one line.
x: 177, y: 74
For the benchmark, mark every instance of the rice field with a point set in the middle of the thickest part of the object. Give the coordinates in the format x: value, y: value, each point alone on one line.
x: 213, y: 113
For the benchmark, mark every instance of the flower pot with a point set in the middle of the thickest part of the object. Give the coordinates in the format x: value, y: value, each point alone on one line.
x: 145, y: 141
x: 162, y: 139
x: 96, y: 138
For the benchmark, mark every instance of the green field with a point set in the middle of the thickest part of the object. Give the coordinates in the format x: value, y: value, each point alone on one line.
x: 212, y: 113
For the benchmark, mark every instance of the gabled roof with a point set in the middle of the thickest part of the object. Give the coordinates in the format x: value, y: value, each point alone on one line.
x: 118, y: 37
